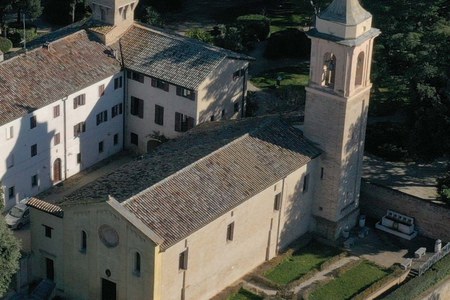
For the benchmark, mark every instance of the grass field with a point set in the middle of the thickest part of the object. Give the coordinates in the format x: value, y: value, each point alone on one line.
x: 291, y: 76
x: 350, y: 283
x: 301, y: 262
x: 245, y: 295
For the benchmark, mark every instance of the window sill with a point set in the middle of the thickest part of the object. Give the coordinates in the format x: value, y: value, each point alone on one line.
x: 137, y: 273
x: 82, y: 251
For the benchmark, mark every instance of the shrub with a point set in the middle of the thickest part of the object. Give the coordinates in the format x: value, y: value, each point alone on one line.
x: 387, y: 140
x: 288, y: 43
x: 16, y: 36
x: 443, y: 187
x: 5, y: 44
x: 201, y: 35
x: 254, y: 28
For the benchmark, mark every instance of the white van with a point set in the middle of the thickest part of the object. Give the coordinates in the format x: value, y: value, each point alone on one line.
x: 18, y: 216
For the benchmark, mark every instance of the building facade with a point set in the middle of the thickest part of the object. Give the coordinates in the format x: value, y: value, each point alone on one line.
x: 88, y: 91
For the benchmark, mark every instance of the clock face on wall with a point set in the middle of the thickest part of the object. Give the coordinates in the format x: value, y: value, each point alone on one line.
x: 108, y: 236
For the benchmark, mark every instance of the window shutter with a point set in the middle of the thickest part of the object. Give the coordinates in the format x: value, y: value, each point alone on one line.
x: 166, y: 86
x: 177, y: 121
x: 179, y: 90
x: 153, y: 82
x: 190, y: 123
x: 75, y: 104
x: 141, y: 108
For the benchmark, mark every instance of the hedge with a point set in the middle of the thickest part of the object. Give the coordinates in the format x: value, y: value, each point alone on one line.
x: 254, y: 26
x: 288, y: 43
x: 5, y: 44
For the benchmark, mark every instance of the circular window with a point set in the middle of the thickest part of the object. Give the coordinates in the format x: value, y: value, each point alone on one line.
x: 108, y: 236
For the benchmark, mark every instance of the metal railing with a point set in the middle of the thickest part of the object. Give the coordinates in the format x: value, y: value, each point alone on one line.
x: 435, y: 258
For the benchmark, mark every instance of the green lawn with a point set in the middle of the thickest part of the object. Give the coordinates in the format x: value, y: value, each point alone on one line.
x: 291, y: 76
x: 245, y: 295
x: 350, y: 283
x: 301, y: 262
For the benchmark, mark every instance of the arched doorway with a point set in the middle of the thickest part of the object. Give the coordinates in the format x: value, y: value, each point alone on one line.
x: 57, y: 176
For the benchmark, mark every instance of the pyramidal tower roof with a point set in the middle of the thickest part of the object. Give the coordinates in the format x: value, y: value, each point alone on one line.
x: 348, y: 12
x: 345, y: 22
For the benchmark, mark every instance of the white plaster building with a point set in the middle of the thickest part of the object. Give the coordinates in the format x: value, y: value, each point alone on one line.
x: 94, y: 88
x: 201, y: 211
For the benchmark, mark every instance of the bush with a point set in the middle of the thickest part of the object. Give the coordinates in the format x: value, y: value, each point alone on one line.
x: 288, y: 43
x: 5, y: 44
x: 201, y: 35
x: 16, y: 36
x: 387, y: 140
x: 254, y: 28
x: 443, y: 187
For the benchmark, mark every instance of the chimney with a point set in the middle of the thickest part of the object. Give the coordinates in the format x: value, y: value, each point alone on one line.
x: 46, y: 45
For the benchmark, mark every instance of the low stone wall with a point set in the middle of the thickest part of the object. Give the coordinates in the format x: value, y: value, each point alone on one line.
x: 431, y: 220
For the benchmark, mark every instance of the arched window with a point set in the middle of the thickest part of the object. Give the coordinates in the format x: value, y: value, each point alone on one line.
x: 329, y: 69
x: 359, y: 69
x: 83, y: 242
x: 137, y: 263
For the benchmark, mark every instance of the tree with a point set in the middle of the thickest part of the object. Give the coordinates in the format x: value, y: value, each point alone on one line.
x: 9, y: 252
x: 152, y: 17
x: 200, y: 34
x: 64, y: 12
x: 32, y: 8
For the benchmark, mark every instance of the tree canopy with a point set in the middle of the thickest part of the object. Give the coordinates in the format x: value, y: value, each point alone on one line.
x: 9, y: 252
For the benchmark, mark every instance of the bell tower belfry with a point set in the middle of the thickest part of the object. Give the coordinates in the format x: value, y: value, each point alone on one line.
x: 337, y: 100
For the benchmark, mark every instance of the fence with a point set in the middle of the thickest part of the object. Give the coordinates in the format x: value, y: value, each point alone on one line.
x: 435, y: 258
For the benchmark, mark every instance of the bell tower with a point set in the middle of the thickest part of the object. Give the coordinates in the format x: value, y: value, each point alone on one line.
x: 113, y: 16
x: 337, y: 100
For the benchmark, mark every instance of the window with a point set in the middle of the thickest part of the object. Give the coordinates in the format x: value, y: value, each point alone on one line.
x: 134, y: 139
x: 83, y: 242
x: 305, y: 183
x: 137, y: 107
x: 183, y: 260
x: 34, y: 180
x: 359, y: 69
x: 101, y: 90
x: 238, y: 73
x: 117, y: 83
x: 79, y: 128
x: 56, y: 111
x: 321, y: 173
x: 79, y: 101
x: 186, y: 93
x: 277, y: 202
x: 56, y: 139
x: 136, y: 76
x: 9, y: 132
x: 100, y: 147
x: 33, y: 122
x: 33, y: 150
x: 137, y: 264
x: 124, y: 12
x: 47, y: 231
x: 230, y: 231
x: 116, y: 139
x: 160, y: 84
x: 11, y: 192
x: 102, y: 117
x: 10, y: 160
x: 222, y: 114
x: 183, y: 123
x: 236, y: 107
x: 212, y: 118
x: 159, y: 115
x: 79, y: 158
x: 116, y: 110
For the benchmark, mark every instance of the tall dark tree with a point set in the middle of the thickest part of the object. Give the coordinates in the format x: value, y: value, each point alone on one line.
x: 31, y: 8
x: 9, y: 253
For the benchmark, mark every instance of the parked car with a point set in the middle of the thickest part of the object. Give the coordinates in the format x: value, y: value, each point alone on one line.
x: 18, y: 216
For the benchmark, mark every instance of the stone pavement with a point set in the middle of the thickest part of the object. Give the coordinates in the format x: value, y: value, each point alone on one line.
x: 413, y: 178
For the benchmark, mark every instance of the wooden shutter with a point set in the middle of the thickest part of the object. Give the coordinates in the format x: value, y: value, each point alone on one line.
x: 141, y: 108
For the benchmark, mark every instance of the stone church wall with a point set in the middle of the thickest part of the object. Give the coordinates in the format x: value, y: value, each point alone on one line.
x: 431, y: 219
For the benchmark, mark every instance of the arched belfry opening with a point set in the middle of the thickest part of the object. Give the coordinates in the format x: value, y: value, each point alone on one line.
x: 329, y: 69
x: 359, y: 69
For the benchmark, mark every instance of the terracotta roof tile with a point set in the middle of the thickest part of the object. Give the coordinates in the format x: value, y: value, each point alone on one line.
x: 46, y: 207
x: 42, y: 76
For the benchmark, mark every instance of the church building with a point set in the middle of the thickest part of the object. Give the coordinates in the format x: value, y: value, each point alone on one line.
x: 199, y: 212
